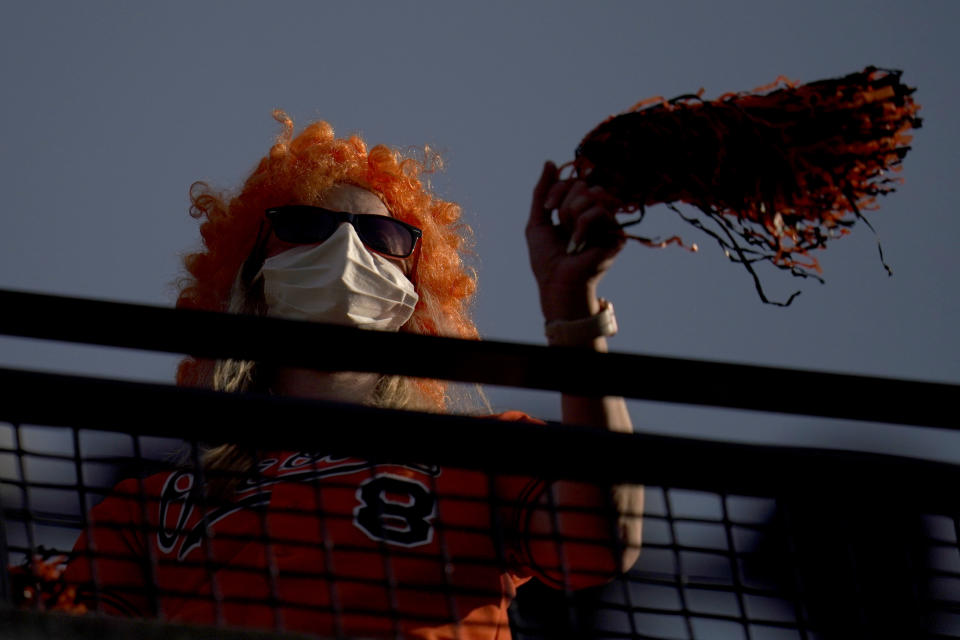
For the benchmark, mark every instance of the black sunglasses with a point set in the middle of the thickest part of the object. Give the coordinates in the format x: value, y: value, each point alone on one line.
x: 303, y: 224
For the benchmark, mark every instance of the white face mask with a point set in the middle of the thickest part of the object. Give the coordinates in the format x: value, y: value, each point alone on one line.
x: 338, y: 281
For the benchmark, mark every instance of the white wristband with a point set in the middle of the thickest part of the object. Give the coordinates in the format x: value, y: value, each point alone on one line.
x: 574, y: 332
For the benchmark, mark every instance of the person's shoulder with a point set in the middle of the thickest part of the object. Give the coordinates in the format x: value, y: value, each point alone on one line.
x: 515, y: 416
x: 148, y: 485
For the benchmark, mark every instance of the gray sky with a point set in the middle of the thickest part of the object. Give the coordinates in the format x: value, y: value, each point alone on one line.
x: 110, y: 110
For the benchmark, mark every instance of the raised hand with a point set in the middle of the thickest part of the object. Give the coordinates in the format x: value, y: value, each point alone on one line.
x: 571, y: 254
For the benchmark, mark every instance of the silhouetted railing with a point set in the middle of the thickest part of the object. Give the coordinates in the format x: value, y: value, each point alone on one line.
x: 741, y: 541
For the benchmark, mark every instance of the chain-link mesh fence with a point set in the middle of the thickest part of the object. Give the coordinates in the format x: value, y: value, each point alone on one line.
x: 350, y: 522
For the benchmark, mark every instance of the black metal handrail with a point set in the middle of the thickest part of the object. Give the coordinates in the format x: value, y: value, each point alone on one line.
x: 807, y: 485
x: 136, y: 408
x: 330, y: 347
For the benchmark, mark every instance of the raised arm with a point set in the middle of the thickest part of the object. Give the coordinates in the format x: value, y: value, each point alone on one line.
x: 569, y: 258
x: 573, y: 238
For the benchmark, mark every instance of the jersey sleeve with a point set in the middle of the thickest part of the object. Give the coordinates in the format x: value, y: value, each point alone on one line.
x: 518, y: 494
x: 564, y: 547
x: 107, y: 564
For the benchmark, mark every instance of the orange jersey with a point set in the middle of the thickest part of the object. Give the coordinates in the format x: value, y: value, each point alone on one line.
x: 320, y: 544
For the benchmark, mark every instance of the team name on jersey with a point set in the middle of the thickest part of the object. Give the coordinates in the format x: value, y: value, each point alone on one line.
x: 379, y: 517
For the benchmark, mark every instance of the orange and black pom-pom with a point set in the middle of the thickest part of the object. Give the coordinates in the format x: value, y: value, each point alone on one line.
x: 38, y: 584
x: 775, y: 172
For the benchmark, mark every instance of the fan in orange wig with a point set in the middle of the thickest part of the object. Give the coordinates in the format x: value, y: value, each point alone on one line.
x: 299, y: 169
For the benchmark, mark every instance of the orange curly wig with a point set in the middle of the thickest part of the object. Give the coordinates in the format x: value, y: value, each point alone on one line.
x: 299, y: 170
